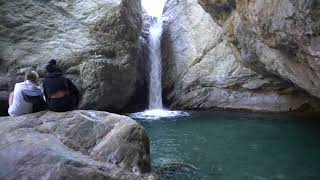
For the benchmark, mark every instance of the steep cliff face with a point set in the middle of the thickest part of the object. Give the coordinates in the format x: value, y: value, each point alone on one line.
x: 202, y: 71
x: 260, y: 55
x: 95, y: 43
x: 274, y: 37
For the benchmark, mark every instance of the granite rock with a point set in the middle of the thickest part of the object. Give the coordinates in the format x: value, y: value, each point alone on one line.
x: 73, y: 145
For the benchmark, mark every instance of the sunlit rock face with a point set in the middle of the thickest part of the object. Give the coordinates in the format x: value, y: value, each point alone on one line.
x: 73, y: 145
x: 95, y: 43
x: 274, y: 37
x: 202, y: 71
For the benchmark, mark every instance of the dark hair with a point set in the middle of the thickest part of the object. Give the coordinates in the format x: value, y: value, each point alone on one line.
x: 52, y: 66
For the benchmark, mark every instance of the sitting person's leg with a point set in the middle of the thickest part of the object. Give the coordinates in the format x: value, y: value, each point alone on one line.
x: 61, y: 104
x: 11, y: 99
x: 11, y: 109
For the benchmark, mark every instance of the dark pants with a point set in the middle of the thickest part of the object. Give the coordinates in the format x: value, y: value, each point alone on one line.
x: 63, y: 104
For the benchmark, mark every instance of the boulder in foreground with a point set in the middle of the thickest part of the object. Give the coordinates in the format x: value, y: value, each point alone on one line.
x: 73, y: 145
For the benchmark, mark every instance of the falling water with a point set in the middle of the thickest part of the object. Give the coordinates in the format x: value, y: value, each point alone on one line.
x: 155, y: 85
x: 154, y: 9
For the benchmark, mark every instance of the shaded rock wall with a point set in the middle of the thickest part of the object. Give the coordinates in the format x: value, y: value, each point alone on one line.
x: 140, y: 99
x: 203, y: 72
x: 73, y: 145
x: 95, y: 43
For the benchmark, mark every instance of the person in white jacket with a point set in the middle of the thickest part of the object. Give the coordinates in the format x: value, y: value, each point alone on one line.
x: 18, y: 100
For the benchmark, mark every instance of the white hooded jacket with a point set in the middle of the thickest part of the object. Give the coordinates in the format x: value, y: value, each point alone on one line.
x: 19, y: 105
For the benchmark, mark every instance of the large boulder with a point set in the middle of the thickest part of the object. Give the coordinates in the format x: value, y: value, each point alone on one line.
x: 274, y: 37
x: 202, y: 71
x: 94, y: 42
x: 73, y: 145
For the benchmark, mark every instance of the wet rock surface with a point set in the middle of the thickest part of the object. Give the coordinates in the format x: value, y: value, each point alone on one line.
x: 73, y: 145
x: 202, y: 70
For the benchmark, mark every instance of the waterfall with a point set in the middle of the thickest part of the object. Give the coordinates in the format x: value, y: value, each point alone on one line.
x: 154, y: 9
x: 155, y: 85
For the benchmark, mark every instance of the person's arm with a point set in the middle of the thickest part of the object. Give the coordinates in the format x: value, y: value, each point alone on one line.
x: 45, y: 93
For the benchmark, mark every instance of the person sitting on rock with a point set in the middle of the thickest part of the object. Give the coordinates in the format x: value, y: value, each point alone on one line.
x: 27, y: 96
x: 60, y: 93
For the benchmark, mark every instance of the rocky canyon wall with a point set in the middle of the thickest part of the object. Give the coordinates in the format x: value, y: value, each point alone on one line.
x: 256, y: 55
x: 274, y: 37
x: 95, y: 43
x: 205, y: 70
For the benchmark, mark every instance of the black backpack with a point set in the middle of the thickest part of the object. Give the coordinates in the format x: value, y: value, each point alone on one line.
x: 38, y: 103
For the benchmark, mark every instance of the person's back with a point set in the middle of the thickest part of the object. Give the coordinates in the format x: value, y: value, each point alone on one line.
x: 18, y: 104
x: 60, y: 93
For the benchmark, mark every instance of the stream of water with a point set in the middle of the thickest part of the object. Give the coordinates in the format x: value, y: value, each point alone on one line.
x: 155, y: 110
x: 235, y: 146
x: 155, y: 85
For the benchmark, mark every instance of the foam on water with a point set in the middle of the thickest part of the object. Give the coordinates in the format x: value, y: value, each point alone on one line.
x: 155, y: 114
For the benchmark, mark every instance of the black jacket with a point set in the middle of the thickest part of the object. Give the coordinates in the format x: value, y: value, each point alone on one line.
x: 55, y: 82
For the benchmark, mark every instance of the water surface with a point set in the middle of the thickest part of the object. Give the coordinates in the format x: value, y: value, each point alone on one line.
x: 235, y: 146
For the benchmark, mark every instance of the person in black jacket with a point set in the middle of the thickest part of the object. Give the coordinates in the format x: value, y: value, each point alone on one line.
x: 60, y: 93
